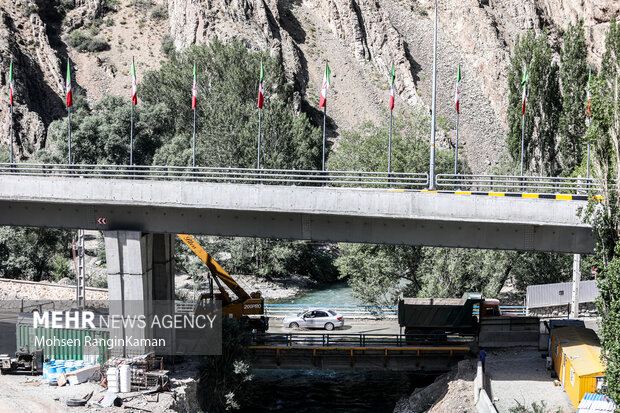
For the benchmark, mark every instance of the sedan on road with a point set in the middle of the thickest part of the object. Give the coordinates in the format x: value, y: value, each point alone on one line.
x: 315, y: 318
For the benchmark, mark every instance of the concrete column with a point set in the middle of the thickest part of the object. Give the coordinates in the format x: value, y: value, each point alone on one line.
x: 140, y: 276
x: 574, y: 308
x: 163, y: 280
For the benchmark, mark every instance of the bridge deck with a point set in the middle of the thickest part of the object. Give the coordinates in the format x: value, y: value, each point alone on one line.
x: 318, y: 213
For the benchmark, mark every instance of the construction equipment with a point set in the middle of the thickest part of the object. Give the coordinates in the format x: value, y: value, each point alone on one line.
x: 24, y: 360
x: 248, y: 308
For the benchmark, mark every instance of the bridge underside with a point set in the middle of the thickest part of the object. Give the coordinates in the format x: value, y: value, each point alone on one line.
x: 333, y: 358
x: 300, y: 226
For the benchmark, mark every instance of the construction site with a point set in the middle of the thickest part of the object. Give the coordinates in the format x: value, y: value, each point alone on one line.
x: 70, y: 353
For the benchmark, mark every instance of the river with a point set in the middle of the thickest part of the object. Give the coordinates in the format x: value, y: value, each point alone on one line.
x: 327, y: 391
x: 337, y: 293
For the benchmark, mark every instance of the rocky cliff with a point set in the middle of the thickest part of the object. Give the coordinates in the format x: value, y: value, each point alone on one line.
x: 37, y: 78
x: 359, y: 38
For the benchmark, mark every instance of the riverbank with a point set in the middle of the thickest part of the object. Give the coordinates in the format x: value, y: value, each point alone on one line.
x: 186, y: 288
x: 271, y: 290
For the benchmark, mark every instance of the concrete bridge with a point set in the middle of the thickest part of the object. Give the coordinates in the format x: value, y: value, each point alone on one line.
x: 319, y: 213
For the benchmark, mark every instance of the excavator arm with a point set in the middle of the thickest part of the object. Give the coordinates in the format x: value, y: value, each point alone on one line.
x: 245, y: 305
x: 214, y: 267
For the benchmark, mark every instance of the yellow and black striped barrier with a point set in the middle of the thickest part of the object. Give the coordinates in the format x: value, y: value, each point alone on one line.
x: 564, y: 197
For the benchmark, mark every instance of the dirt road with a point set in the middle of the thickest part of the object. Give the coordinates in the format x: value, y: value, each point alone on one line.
x: 520, y: 377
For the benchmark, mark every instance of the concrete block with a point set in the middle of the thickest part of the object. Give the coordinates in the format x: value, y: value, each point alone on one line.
x: 484, y: 404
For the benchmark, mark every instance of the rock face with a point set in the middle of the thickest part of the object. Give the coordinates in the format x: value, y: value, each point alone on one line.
x: 37, y: 78
x: 478, y: 34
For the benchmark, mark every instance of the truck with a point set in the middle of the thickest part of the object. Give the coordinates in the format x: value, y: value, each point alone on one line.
x: 247, y: 308
x: 421, y: 317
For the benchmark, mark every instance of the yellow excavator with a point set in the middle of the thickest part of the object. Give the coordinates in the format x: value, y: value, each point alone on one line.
x: 248, y: 308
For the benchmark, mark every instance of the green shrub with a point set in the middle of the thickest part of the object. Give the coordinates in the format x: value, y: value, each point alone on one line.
x: 142, y: 5
x: 167, y: 46
x: 78, y: 39
x: 159, y: 12
x: 84, y: 42
x: 97, y: 44
x: 60, y: 267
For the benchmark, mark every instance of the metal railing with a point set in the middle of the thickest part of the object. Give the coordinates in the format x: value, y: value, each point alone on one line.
x: 357, y: 340
x: 229, y: 175
x: 509, y: 183
x: 353, y: 311
x: 397, y: 180
x: 373, y: 311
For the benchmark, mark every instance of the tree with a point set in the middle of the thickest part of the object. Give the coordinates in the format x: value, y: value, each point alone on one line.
x: 267, y: 258
x: 227, y: 125
x: 28, y: 253
x: 379, y: 273
x: 542, y: 108
x: 573, y: 78
x: 101, y: 135
x: 603, y: 214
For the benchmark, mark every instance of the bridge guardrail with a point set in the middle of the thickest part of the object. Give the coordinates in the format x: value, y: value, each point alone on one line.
x: 510, y: 183
x: 231, y: 175
x: 375, y: 311
x: 362, y: 311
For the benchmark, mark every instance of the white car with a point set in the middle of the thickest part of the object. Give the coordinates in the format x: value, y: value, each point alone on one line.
x: 314, y: 318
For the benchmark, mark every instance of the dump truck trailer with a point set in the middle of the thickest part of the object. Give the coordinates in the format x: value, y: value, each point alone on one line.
x: 420, y: 316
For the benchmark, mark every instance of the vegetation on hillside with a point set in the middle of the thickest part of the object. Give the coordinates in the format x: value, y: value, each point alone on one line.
x: 604, y: 137
x: 544, y: 102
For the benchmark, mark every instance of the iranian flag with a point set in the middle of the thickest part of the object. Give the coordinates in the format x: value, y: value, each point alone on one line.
x: 195, y: 90
x: 134, y: 85
x: 392, y: 91
x: 68, y: 87
x: 11, y: 82
x: 457, y: 93
x: 589, y: 109
x: 261, y: 91
x: 326, y: 84
x: 524, y: 86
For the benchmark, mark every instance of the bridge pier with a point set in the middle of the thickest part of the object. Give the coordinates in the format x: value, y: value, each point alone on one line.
x: 140, y: 283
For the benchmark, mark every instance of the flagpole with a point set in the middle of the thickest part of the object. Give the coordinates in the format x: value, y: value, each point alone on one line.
x: 259, y: 125
x: 390, y: 147
x: 324, y: 118
x: 131, y: 138
x: 456, y: 149
x: 431, y: 182
x: 11, y: 133
x: 194, y: 144
x: 588, y: 164
x: 522, y: 140
x: 69, y: 125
